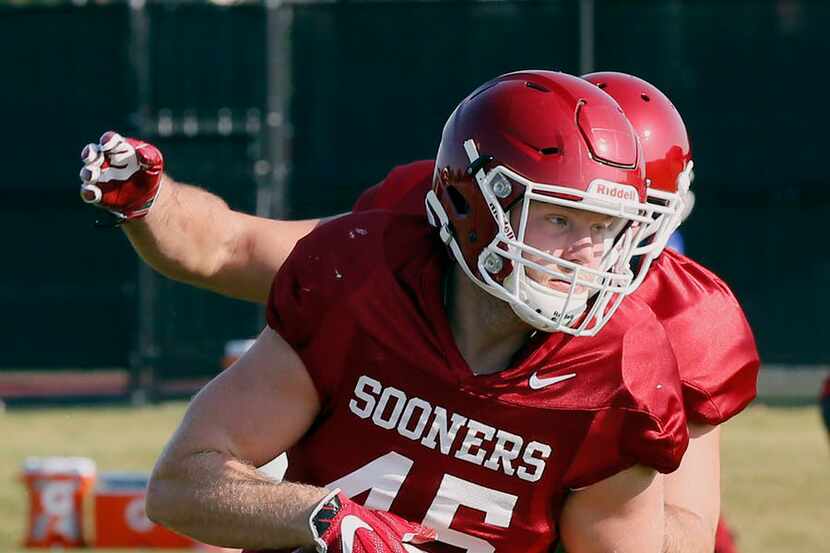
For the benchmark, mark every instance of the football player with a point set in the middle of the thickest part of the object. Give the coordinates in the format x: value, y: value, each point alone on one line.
x: 717, y: 359
x: 450, y: 390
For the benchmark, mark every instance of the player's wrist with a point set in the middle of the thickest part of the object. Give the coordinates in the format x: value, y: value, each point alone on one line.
x: 325, y: 518
x: 158, y: 204
x: 142, y: 209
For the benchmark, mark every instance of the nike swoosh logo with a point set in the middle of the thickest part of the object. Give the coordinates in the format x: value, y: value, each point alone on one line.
x: 348, y: 527
x: 537, y: 383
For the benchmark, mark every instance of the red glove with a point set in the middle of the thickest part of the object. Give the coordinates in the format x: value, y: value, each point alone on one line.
x: 121, y: 175
x: 341, y: 525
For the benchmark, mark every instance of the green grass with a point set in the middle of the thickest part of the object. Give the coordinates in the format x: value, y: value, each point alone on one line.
x: 776, y: 480
x: 776, y: 466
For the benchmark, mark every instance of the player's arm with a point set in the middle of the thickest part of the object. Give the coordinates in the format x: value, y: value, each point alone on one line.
x: 692, y: 494
x: 623, y: 514
x: 205, y: 485
x: 192, y: 236
x: 182, y: 231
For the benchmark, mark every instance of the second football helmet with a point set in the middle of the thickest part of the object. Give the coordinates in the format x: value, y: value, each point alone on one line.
x: 668, y: 157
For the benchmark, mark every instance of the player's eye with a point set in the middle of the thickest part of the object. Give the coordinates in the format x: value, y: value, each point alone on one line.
x: 557, y: 220
x: 603, y: 227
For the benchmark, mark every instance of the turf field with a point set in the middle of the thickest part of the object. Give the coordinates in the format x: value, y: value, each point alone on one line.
x: 776, y: 466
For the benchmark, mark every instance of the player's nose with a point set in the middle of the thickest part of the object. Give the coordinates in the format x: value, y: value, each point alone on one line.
x: 580, y: 246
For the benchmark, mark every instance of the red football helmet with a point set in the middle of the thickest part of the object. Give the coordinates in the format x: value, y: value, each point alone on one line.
x: 549, y: 137
x: 667, y: 155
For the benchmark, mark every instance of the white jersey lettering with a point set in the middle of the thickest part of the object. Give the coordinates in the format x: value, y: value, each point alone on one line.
x: 435, y: 428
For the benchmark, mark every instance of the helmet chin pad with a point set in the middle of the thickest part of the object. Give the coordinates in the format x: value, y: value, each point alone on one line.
x: 560, y: 308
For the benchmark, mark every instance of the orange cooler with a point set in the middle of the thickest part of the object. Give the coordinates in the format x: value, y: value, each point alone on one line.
x: 120, y: 518
x: 57, y: 487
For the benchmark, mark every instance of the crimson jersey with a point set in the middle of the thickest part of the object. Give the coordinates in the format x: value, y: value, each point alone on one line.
x: 712, y: 341
x: 406, y: 426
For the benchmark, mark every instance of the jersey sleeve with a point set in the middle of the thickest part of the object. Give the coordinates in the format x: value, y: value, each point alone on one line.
x: 309, y: 301
x: 400, y: 190
x: 727, y: 363
x: 716, y: 352
x: 644, y: 424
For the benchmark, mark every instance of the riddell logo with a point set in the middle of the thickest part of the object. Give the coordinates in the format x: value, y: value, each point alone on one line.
x: 615, y: 190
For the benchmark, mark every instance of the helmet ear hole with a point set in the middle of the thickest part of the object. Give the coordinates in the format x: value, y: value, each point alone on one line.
x: 459, y: 203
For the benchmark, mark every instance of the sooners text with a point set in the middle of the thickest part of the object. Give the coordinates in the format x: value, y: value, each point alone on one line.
x: 435, y: 428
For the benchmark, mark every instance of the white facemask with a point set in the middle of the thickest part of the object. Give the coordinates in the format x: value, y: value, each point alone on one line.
x: 588, y: 296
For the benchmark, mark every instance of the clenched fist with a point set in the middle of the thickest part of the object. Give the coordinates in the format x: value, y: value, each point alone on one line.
x: 339, y: 524
x: 121, y: 175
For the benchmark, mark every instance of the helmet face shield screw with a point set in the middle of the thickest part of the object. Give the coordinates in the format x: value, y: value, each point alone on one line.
x: 493, y: 263
x: 501, y: 187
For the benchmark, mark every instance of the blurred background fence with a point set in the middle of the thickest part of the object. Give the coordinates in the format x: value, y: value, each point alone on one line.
x: 290, y: 109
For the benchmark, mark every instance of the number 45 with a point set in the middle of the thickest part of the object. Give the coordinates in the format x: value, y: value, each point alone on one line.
x: 384, y: 477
